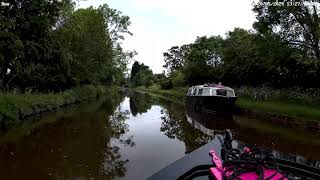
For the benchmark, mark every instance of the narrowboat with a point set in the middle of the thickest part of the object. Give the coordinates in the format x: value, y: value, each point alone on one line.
x: 214, y: 97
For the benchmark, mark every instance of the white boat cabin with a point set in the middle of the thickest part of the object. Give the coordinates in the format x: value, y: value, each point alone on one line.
x: 211, y: 90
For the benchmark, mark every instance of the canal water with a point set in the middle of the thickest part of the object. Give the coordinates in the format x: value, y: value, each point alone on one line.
x: 132, y: 136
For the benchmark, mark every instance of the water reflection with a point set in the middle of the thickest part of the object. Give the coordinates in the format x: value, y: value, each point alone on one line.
x: 139, y: 103
x: 210, y: 123
x: 195, y: 129
x: 175, y: 126
x: 252, y: 134
x: 76, y: 147
x: 133, y: 137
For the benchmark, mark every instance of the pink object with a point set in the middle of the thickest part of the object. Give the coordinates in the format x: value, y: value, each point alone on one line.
x: 246, y: 149
x: 217, y: 171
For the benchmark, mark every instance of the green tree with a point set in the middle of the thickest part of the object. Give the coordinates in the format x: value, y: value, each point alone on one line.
x: 135, y: 69
x: 175, y: 58
x: 118, y: 27
x: 87, y: 47
x: 203, y: 60
x: 297, y: 25
x: 241, y: 63
x: 178, y: 78
x: 117, y: 23
x: 141, y: 75
x: 45, y: 45
x: 29, y: 53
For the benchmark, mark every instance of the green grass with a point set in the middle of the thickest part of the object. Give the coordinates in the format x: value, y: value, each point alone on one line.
x: 14, y: 107
x: 275, y: 106
x: 281, y: 107
x: 176, y: 94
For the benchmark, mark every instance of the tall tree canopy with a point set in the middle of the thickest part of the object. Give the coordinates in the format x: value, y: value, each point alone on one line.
x: 295, y: 22
x: 281, y: 51
x: 175, y: 58
x: 87, y: 47
x: 28, y: 50
x: 141, y: 75
x: 45, y: 45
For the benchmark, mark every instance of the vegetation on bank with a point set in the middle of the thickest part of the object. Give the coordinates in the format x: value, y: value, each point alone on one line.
x: 14, y: 107
x: 175, y: 94
x: 297, y: 110
x: 274, y: 105
x: 53, y: 54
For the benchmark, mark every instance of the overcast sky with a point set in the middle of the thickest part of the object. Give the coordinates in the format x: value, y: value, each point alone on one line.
x: 158, y: 25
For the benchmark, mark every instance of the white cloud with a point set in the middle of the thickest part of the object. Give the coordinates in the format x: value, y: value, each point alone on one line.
x: 158, y: 25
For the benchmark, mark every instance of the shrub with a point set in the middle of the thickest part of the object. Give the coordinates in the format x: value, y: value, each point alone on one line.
x: 166, y: 84
x: 304, y: 96
x: 178, y: 79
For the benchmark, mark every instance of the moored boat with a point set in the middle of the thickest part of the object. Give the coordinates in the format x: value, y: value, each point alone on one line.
x: 214, y: 97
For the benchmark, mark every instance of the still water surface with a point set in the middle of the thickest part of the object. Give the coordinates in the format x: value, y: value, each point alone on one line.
x: 131, y: 137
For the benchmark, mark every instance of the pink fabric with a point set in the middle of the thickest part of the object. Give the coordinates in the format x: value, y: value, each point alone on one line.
x: 217, y: 171
x: 218, y: 174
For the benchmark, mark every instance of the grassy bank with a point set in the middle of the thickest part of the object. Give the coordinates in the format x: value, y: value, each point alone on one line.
x: 274, y: 106
x: 281, y: 107
x: 14, y: 107
x: 176, y: 94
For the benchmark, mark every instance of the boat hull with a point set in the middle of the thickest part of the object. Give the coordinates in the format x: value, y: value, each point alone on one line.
x: 213, y: 103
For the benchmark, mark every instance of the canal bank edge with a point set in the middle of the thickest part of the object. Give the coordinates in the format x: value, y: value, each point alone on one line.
x: 275, y: 112
x: 16, y: 107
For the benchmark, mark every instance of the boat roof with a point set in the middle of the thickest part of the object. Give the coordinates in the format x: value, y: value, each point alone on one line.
x: 213, y: 86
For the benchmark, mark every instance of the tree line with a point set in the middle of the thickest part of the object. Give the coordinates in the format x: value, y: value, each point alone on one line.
x: 48, y: 45
x: 281, y: 51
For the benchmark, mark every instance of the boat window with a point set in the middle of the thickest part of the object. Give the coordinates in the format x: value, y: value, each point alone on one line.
x: 200, y: 91
x: 221, y: 92
x: 230, y: 93
x: 194, y: 91
x: 206, y: 92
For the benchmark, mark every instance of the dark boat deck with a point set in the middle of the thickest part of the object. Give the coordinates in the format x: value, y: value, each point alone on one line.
x: 198, y: 162
x: 196, y: 158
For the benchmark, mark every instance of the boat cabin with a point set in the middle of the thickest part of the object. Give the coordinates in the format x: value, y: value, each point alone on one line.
x: 211, y: 90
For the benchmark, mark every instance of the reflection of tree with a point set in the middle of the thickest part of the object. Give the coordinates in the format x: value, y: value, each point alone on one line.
x: 133, y: 107
x: 119, y: 126
x: 140, y: 103
x: 77, y: 147
x: 114, y: 165
x: 175, y: 125
x: 266, y: 134
x: 117, y: 122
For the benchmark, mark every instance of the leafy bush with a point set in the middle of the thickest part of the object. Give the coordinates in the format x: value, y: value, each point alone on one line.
x: 166, y: 84
x: 178, y: 79
x: 295, y: 94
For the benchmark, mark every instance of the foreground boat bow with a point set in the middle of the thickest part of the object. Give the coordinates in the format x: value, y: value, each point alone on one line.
x: 198, y: 163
